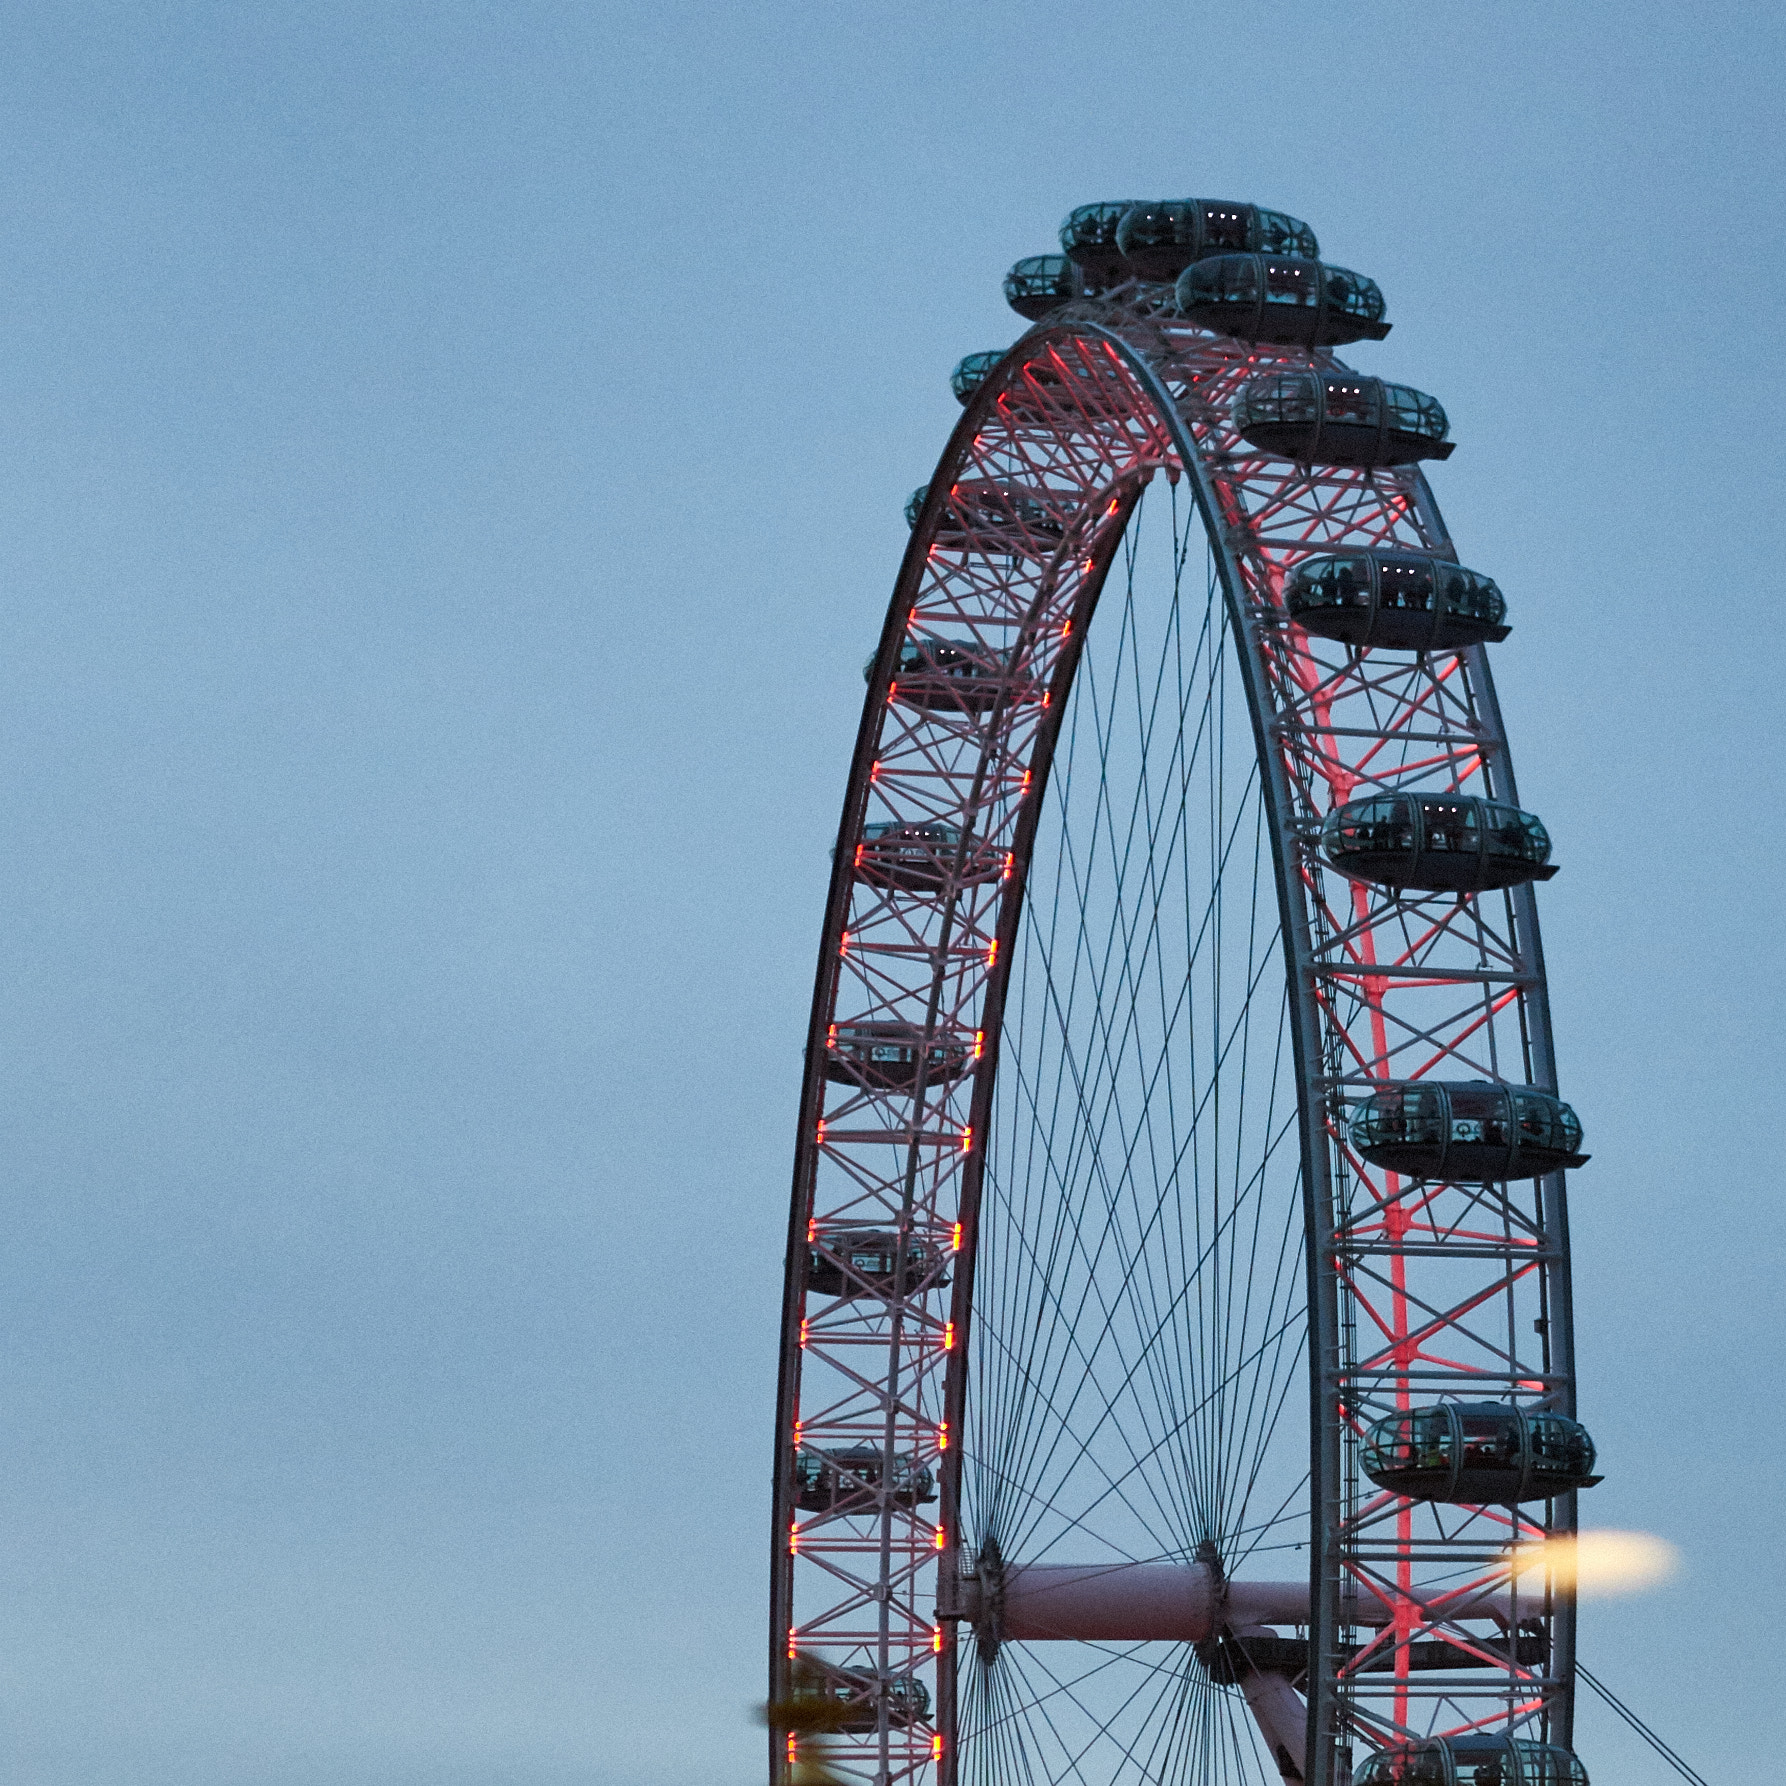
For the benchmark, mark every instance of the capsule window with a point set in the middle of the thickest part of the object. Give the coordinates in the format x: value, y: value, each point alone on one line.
x: 1424, y: 1767
x: 1349, y: 582
x: 1515, y: 835
x: 1335, y: 583
x: 1560, y: 1447
x: 1489, y: 1444
x: 1294, y: 401
x: 1549, y: 1124
x: 1091, y: 229
x: 1223, y: 279
x: 898, y: 831
x: 1485, y: 600
x: 1284, y: 398
x: 1386, y: 823
x: 1207, y: 283
x: 1413, y: 412
x: 1225, y: 226
x: 1290, y: 282
x: 1464, y: 592
x: 973, y: 372
x: 1450, y: 825
x: 1479, y: 1115
x: 1354, y: 403
x: 1457, y: 588
x: 1278, y: 234
x: 1407, y: 584
x: 1354, y: 295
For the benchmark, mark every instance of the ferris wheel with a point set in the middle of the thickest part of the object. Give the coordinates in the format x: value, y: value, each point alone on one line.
x: 1176, y: 1369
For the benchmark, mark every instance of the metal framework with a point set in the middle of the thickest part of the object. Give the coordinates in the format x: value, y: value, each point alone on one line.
x: 1415, y: 1291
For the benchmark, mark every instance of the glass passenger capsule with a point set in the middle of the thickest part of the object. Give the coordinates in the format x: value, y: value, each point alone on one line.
x: 1042, y: 283
x: 1281, y: 298
x: 924, y: 858
x: 888, y: 1056
x: 1437, y: 843
x: 848, y: 1701
x: 953, y: 676
x: 1337, y: 418
x: 1479, y: 1759
x: 870, y: 1262
x: 1467, y: 1132
x: 997, y: 517
x: 834, y: 1481
x: 1088, y: 238
x: 1158, y: 240
x: 1478, y: 1454
x: 1396, y: 601
x: 972, y: 371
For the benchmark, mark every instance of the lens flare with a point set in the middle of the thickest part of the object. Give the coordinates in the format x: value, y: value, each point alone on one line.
x: 1599, y: 1563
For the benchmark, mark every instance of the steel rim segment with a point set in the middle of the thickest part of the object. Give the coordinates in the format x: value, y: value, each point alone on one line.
x: 1415, y: 1291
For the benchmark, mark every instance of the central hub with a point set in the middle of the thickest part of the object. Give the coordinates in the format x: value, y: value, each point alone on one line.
x: 989, y: 1621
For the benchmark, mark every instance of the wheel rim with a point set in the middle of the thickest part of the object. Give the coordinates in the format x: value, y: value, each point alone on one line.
x: 1409, y: 1292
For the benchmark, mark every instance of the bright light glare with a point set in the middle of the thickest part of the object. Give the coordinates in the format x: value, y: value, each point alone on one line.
x: 1602, y: 1563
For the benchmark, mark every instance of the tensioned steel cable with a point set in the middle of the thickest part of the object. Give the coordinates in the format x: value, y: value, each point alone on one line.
x: 1139, y: 1330
x: 1637, y: 1724
x: 1147, y: 1115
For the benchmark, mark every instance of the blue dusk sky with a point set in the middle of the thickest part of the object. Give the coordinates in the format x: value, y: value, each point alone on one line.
x: 451, y: 460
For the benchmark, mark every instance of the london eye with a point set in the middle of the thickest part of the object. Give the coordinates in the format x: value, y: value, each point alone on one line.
x: 1176, y: 1368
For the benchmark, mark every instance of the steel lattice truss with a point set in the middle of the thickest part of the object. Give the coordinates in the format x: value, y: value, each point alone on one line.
x: 1422, y: 1291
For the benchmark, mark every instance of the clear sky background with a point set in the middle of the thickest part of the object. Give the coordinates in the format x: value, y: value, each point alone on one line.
x: 451, y: 460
